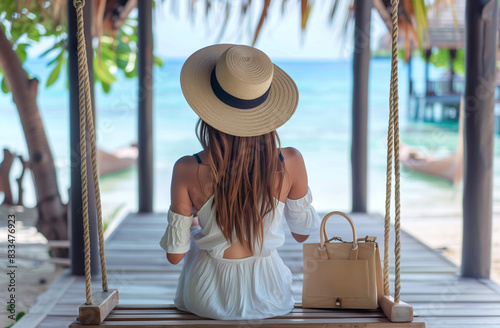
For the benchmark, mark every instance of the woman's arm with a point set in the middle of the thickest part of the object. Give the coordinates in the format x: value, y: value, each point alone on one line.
x: 296, y: 169
x: 179, y: 196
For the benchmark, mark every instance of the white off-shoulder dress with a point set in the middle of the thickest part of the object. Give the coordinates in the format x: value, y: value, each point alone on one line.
x: 254, y: 287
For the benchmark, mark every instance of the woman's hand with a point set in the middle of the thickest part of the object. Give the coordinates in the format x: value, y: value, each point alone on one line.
x: 175, y: 258
x: 300, y: 238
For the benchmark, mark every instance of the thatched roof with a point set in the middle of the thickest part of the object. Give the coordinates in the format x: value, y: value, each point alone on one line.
x: 445, y: 25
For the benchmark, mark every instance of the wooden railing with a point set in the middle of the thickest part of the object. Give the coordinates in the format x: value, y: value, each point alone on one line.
x: 437, y: 88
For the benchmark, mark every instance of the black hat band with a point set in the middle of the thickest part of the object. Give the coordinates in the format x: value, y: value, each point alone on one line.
x: 233, y: 101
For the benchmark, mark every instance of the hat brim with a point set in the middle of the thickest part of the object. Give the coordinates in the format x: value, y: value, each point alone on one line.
x: 270, y: 115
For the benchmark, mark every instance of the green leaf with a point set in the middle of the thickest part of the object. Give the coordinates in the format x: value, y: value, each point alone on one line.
x: 56, y: 58
x: 106, y: 53
x: 5, y: 88
x: 20, y: 315
x: 54, y: 75
x: 157, y: 61
x: 18, y: 28
x: 459, y: 62
x: 122, y: 61
x: 33, y: 33
x: 132, y: 73
x: 105, y: 87
x: 440, y: 58
x: 46, y: 52
x: 122, y: 47
x: 401, y: 53
x: 421, y: 19
x: 21, y: 51
x: 102, y: 71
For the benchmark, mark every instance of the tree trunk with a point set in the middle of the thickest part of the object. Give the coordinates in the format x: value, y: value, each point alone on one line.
x: 5, y: 167
x: 52, y: 220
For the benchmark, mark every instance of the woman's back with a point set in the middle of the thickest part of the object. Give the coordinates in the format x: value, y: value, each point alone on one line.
x: 224, y: 280
x: 199, y: 181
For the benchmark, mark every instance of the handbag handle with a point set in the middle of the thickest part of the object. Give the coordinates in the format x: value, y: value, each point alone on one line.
x: 324, y: 236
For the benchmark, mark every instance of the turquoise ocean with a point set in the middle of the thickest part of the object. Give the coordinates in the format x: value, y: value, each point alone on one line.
x: 320, y: 129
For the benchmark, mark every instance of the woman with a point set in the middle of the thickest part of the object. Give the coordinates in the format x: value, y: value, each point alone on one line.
x: 238, y: 188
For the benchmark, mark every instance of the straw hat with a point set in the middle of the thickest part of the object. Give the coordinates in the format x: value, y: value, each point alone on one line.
x: 238, y: 90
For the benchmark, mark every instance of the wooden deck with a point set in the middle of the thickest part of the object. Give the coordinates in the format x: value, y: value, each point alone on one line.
x: 137, y: 267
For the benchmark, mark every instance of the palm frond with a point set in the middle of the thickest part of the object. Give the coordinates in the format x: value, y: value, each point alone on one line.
x: 420, y: 12
x: 263, y: 16
x: 305, y: 11
x: 333, y: 11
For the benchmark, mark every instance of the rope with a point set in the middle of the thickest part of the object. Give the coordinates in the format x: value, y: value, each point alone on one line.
x: 393, y: 150
x: 395, y: 109
x: 86, y: 117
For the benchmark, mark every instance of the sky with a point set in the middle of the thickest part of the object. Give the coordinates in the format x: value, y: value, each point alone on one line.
x: 176, y: 35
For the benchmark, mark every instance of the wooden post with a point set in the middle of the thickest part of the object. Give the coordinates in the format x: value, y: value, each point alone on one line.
x: 481, y: 19
x: 145, y: 119
x: 412, y: 101
x: 453, y: 54
x: 410, y: 79
x: 76, y: 220
x: 427, y: 57
x: 361, y: 66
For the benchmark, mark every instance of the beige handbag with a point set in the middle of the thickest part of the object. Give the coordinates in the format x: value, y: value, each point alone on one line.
x: 342, y: 274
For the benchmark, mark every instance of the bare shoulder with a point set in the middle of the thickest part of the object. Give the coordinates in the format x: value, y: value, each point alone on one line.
x: 184, y: 167
x: 292, y: 156
x: 295, y: 167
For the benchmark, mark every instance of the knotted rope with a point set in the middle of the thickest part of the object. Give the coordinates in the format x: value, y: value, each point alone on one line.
x: 86, y: 118
x: 393, y: 150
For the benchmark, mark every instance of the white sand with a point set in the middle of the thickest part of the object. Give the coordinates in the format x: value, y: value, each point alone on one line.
x: 32, y: 277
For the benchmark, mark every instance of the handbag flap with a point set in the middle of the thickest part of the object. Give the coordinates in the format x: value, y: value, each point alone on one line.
x: 339, y: 278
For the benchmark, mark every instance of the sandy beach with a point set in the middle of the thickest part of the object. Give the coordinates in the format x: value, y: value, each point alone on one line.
x: 33, y: 273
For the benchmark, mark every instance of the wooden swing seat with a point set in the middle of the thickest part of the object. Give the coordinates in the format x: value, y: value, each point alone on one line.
x: 159, y: 316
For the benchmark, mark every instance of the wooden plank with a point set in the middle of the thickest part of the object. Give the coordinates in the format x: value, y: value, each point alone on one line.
x: 179, y: 316
x: 275, y: 323
x: 396, y: 312
x: 154, y: 308
x: 46, y: 302
x: 103, y: 303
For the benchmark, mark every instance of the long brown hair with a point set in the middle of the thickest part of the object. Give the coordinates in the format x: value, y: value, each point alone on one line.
x: 247, y: 173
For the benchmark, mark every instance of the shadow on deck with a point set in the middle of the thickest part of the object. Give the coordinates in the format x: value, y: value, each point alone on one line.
x: 137, y: 267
